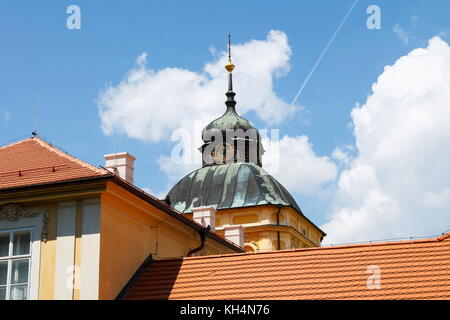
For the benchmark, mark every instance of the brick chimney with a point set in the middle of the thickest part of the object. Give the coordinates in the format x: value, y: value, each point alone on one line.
x: 121, y: 164
x: 235, y: 234
x: 206, y: 216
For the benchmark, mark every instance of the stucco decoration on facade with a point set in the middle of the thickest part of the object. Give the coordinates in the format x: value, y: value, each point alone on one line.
x: 13, y: 212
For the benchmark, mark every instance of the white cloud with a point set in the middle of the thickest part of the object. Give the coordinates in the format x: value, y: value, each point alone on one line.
x: 149, y: 104
x: 440, y: 199
x: 142, y: 59
x: 401, y: 34
x: 343, y: 155
x: 291, y: 160
x: 296, y: 165
x: 167, y: 104
x: 5, y: 115
x: 398, y: 184
x: 175, y: 171
x: 157, y: 194
x: 443, y: 33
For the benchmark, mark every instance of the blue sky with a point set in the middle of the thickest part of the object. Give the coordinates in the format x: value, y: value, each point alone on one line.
x: 69, y: 68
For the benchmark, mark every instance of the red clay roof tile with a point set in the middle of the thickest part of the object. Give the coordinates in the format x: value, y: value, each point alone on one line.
x: 33, y: 161
x: 409, y: 270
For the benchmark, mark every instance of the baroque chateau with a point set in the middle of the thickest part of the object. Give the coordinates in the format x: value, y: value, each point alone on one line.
x: 228, y: 230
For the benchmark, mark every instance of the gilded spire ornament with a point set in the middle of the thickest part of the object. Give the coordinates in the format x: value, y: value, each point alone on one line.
x: 229, y: 66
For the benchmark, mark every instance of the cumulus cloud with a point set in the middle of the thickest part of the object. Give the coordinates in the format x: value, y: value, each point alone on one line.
x: 157, y: 194
x: 398, y: 183
x: 149, y: 104
x: 175, y: 171
x: 343, y: 155
x: 393, y: 182
x: 294, y: 164
x: 401, y: 34
x: 173, y: 105
x: 5, y: 114
x: 440, y: 199
x: 291, y: 160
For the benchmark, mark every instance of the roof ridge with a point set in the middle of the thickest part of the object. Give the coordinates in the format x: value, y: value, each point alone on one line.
x: 445, y: 236
x: 361, y: 245
x: 64, y: 154
x: 15, y: 143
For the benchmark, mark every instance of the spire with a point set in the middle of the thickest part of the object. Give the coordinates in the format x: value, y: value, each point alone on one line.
x: 230, y: 67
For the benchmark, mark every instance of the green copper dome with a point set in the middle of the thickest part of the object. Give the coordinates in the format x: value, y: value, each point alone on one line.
x: 229, y: 120
x: 226, y: 186
x: 232, y: 175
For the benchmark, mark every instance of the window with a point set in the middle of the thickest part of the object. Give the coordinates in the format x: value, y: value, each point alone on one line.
x: 15, y: 261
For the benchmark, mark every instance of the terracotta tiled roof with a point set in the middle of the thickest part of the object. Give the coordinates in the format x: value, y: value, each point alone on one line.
x: 409, y: 270
x: 33, y: 161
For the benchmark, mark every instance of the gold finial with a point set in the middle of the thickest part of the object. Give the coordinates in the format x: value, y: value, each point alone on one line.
x: 229, y: 66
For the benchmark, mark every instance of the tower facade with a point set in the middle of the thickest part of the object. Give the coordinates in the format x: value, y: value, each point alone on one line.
x: 233, y: 182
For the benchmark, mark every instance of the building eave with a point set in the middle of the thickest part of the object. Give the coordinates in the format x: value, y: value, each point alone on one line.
x: 164, y: 207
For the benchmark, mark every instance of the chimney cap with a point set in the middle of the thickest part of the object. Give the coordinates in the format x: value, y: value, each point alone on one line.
x: 205, y: 216
x: 119, y: 154
x: 121, y: 164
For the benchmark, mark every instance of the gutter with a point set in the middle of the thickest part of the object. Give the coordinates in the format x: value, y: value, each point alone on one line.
x: 105, y: 176
x: 108, y: 176
x: 278, y: 223
x: 163, y: 206
x: 202, y: 233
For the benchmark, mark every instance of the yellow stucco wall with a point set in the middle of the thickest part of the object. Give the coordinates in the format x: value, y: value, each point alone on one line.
x: 131, y: 230
x: 261, y: 230
x: 78, y: 248
x: 48, y: 258
x: 125, y: 242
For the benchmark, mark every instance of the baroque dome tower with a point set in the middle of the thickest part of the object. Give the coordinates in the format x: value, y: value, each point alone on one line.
x: 231, y: 138
x: 233, y: 183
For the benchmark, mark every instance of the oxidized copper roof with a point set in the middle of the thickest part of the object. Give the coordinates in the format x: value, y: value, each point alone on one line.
x: 229, y: 120
x: 225, y: 186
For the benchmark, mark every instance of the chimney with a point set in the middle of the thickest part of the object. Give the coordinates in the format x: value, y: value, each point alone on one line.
x: 235, y: 234
x: 206, y: 216
x: 121, y: 164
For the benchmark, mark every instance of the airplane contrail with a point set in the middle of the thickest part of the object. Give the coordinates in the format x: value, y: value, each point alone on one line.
x: 325, y: 50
